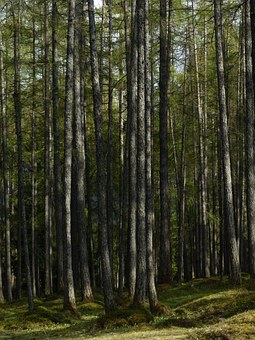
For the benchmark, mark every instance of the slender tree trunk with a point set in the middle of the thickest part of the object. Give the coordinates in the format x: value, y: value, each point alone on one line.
x: 101, y: 176
x: 47, y: 215
x: 4, y: 165
x: 165, y: 261
x: 235, y: 274
x: 83, y: 75
x: 69, y: 295
x: 180, y: 181
x: 79, y: 157
x: 203, y: 193
x: 139, y: 297
x: 131, y: 64
x: 3, y: 101
x: 110, y: 154
x: 250, y: 152
x: 18, y: 114
x: 148, y: 168
x: 122, y: 194
x: 34, y: 168
x: 58, y: 199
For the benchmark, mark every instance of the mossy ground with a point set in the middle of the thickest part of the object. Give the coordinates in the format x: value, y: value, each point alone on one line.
x: 201, y: 309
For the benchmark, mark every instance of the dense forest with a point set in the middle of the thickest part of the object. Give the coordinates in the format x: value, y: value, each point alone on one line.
x: 127, y: 147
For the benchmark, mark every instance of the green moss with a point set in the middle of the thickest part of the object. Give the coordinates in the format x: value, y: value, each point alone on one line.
x: 132, y: 315
x: 201, y: 309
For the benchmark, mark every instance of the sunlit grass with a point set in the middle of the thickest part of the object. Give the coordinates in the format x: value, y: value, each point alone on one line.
x: 201, y: 309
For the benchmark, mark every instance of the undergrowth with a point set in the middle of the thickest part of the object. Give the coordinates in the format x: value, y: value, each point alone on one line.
x: 201, y: 309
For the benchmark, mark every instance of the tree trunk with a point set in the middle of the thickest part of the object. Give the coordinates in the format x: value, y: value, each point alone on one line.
x: 122, y: 193
x: 58, y: 198
x: 47, y: 215
x: 131, y: 64
x: 110, y: 154
x: 18, y: 114
x: 139, y: 297
x: 165, y: 260
x: 79, y: 157
x: 34, y: 169
x: 148, y: 168
x: 250, y: 152
x: 101, y: 176
x: 235, y: 274
x: 3, y: 101
x: 83, y: 70
x: 202, y: 168
x: 69, y: 295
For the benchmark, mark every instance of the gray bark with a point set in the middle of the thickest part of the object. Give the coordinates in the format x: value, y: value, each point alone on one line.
x: 34, y: 170
x: 47, y: 214
x: 107, y: 278
x: 202, y: 167
x: 3, y: 101
x: 18, y: 116
x: 131, y: 64
x: 235, y: 274
x: 110, y: 153
x: 139, y: 297
x: 69, y: 295
x: 79, y: 159
x: 122, y: 195
x: 250, y: 152
x: 165, y: 260
x: 58, y: 199
x: 150, y: 219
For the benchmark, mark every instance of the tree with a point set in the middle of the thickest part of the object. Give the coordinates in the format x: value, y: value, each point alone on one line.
x: 249, y: 149
x: 18, y: 115
x: 140, y: 288
x: 5, y: 175
x: 47, y: 172
x: 165, y: 261
x: 57, y: 162
x: 69, y: 295
x: 101, y: 176
x: 149, y: 211
x: 131, y: 66
x: 79, y: 160
x: 235, y: 274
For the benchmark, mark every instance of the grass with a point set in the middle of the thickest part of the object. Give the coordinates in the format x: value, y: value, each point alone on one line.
x: 201, y: 309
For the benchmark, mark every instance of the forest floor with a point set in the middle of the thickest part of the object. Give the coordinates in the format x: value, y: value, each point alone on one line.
x: 200, y: 309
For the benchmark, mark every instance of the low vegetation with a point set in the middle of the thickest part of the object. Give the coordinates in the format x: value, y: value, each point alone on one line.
x: 201, y: 309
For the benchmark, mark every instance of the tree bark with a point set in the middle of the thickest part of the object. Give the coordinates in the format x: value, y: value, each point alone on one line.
x: 101, y: 176
x: 110, y: 153
x: 34, y: 170
x: 139, y: 297
x: 235, y: 274
x: 165, y: 260
x: 18, y: 115
x: 150, y: 219
x: 250, y: 152
x: 79, y: 158
x: 47, y: 214
x: 131, y: 64
x: 3, y: 101
x: 58, y: 197
x: 69, y: 295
